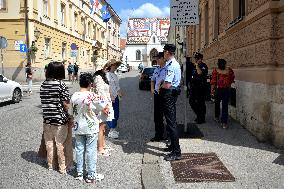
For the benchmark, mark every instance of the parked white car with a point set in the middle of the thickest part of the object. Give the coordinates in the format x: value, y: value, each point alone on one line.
x: 122, y: 68
x: 10, y: 90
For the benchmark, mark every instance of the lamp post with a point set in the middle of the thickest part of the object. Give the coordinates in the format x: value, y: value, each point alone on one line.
x: 37, y: 34
x: 33, y: 49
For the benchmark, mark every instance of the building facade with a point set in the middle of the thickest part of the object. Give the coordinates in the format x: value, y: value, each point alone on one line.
x: 51, y: 26
x: 250, y: 36
x: 145, y: 38
x: 178, y: 37
x: 113, y: 33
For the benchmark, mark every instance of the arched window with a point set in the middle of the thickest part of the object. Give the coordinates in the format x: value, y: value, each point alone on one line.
x: 138, y: 55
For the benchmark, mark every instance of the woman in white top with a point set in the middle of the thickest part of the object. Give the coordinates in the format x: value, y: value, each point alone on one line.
x: 115, y: 93
x: 101, y: 87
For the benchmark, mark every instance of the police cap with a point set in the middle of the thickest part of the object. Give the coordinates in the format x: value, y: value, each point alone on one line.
x: 170, y: 47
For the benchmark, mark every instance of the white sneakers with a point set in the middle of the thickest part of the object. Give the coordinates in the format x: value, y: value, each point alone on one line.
x: 113, y: 134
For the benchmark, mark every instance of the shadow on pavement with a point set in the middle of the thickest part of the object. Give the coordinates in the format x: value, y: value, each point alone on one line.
x: 2, y: 104
x: 136, y: 125
x: 32, y: 157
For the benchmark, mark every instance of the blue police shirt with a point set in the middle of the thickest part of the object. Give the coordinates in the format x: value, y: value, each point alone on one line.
x: 158, y: 77
x: 173, y: 72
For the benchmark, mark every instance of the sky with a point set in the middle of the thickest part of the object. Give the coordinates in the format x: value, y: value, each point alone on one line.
x: 139, y: 9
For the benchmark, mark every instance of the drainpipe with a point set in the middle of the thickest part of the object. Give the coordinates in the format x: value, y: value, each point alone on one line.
x: 27, y: 30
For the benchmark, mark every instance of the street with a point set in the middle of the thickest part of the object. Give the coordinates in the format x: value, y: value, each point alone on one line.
x: 134, y: 163
x: 21, y: 128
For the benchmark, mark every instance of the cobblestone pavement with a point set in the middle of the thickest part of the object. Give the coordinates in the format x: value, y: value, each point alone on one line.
x: 255, y: 165
x: 20, y: 137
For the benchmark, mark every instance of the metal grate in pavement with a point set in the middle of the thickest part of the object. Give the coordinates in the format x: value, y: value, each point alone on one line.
x: 199, y: 167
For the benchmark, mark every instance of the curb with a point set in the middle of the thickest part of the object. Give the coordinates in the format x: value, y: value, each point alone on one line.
x: 151, y: 177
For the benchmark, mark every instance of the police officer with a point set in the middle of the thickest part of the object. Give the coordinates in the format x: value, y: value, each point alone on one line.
x: 156, y: 81
x: 169, y: 92
x: 198, y: 89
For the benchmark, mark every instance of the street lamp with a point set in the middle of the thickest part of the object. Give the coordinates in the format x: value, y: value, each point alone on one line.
x: 37, y: 34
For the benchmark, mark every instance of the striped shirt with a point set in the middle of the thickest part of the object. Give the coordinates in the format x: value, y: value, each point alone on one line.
x: 52, y: 94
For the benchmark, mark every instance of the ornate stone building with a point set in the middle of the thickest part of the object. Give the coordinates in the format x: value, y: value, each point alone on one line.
x: 52, y: 26
x: 250, y: 36
x: 113, y: 33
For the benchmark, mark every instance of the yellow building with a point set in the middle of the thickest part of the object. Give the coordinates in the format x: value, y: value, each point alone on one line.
x: 113, y: 36
x: 52, y: 26
x: 250, y: 36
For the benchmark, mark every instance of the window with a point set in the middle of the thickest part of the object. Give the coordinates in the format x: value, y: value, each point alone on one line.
x: 94, y: 34
x: 83, y: 25
x: 138, y: 55
x: 46, y: 47
x: 154, y: 39
x: 45, y: 7
x: 89, y: 30
x: 62, y: 14
x: 216, y: 19
x: 63, y: 52
x: 206, y: 28
x: 3, y: 5
x: 239, y: 7
x: 88, y: 56
x: 76, y: 21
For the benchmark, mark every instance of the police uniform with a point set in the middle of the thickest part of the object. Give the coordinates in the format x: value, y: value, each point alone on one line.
x: 169, y: 99
x: 158, y: 78
x: 198, y: 92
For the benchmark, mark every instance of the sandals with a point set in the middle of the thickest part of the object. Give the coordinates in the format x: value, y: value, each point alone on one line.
x: 104, y: 153
x: 108, y: 148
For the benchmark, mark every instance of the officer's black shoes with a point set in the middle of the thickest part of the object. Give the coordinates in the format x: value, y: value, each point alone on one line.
x: 157, y: 139
x: 199, y: 121
x: 172, y: 157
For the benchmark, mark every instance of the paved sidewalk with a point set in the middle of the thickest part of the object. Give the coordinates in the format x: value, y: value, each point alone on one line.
x: 253, y: 164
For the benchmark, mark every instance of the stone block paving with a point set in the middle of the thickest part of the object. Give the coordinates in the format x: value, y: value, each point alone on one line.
x: 255, y: 165
x: 20, y: 136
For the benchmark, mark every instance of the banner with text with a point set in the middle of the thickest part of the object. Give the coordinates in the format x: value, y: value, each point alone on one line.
x: 184, y: 12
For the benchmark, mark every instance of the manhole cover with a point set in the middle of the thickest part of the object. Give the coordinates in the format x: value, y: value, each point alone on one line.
x: 199, y: 167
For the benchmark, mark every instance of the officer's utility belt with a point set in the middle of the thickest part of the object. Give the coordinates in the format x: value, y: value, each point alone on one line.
x: 175, y: 91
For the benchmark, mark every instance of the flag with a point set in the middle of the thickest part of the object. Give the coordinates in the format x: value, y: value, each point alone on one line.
x: 92, y: 2
x: 105, y: 14
x: 94, y: 6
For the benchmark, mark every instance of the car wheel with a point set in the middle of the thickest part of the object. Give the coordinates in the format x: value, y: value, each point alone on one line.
x: 17, y: 96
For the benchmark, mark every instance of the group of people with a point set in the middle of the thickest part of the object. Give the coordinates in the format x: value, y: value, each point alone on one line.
x: 73, y: 70
x: 221, y: 81
x: 96, y: 105
x: 165, y: 86
x: 86, y: 114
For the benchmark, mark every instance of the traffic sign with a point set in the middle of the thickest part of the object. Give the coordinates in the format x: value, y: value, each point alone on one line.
x: 74, y: 53
x: 23, y: 48
x: 73, y: 46
x: 3, y: 43
x: 17, y: 44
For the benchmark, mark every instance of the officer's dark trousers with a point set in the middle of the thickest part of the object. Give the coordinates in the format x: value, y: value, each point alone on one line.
x: 158, y: 116
x: 169, y: 109
x: 197, y: 103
